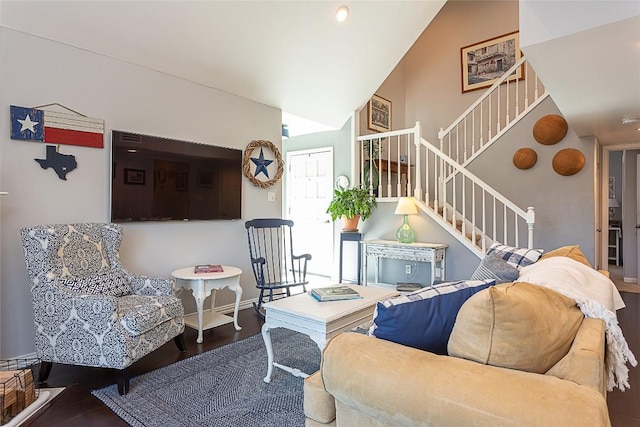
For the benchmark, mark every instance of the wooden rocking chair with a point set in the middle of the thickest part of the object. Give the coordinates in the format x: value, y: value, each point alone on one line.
x: 275, y: 267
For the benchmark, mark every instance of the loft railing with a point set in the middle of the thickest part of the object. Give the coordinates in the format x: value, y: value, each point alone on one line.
x: 474, y: 212
x: 511, y: 97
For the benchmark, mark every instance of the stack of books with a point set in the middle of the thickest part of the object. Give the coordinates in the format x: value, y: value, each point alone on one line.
x: 208, y: 268
x: 334, y: 293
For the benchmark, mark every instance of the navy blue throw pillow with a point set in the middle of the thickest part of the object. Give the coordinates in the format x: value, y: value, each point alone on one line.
x: 424, y: 319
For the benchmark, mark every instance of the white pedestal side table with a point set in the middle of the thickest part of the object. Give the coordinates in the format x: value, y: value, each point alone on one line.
x: 319, y: 320
x: 203, y: 284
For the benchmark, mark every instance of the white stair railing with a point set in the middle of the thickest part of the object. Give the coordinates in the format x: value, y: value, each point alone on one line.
x: 496, y: 111
x: 470, y: 209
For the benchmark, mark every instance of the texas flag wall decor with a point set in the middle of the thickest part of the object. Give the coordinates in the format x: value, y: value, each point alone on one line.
x: 52, y: 127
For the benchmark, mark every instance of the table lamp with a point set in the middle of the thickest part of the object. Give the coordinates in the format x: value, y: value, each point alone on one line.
x: 406, y: 207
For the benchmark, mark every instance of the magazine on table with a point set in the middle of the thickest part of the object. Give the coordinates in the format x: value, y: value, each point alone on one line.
x: 208, y: 268
x: 334, y: 293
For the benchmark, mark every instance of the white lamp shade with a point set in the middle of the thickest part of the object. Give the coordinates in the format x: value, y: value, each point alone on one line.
x: 613, y: 203
x: 406, y: 206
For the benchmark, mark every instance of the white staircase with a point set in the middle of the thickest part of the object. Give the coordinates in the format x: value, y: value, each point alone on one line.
x: 473, y: 212
x: 495, y: 112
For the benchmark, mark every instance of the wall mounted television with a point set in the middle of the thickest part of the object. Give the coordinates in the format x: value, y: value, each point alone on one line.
x: 161, y: 179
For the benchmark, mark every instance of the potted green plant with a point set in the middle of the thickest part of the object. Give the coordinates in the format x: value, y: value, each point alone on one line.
x: 351, y: 204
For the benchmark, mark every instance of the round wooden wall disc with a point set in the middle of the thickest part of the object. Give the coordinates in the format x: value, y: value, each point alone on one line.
x: 550, y: 129
x: 568, y: 161
x: 525, y: 158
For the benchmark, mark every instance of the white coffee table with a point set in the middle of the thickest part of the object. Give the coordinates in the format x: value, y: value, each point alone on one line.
x: 319, y: 320
x: 203, y: 284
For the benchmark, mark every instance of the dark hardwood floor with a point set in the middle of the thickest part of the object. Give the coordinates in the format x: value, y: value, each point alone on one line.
x: 624, y: 407
x: 75, y: 406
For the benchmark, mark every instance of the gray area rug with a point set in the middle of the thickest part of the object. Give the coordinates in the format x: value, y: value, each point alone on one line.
x: 223, y: 387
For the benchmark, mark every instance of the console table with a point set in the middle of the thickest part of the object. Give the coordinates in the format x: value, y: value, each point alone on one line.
x: 433, y: 253
x: 201, y: 284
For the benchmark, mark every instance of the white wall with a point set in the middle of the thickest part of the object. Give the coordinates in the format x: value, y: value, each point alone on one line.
x: 130, y: 98
x: 541, y: 21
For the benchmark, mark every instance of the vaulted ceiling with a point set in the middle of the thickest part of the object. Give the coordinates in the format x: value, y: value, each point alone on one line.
x: 293, y: 55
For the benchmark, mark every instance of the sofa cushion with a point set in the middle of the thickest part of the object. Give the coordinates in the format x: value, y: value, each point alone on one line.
x: 112, y: 283
x: 572, y: 252
x: 493, y: 266
x: 318, y: 404
x: 516, y: 325
x: 141, y: 313
x: 517, y: 257
x: 423, y: 319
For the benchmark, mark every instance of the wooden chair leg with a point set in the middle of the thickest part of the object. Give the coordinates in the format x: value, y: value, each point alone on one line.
x: 179, y: 340
x: 123, y: 381
x: 45, y: 370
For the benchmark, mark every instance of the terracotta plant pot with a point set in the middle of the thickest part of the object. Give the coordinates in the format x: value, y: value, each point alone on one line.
x: 350, y: 224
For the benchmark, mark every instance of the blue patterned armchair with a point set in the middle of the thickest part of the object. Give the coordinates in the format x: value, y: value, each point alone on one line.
x: 88, y: 310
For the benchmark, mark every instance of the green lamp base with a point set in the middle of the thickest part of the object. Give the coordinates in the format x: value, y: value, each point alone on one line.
x: 405, y: 233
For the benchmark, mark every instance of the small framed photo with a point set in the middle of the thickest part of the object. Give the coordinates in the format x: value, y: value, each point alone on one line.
x: 379, y: 113
x: 134, y: 176
x: 485, y: 62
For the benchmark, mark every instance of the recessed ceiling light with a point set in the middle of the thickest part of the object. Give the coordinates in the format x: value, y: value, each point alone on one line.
x: 342, y: 13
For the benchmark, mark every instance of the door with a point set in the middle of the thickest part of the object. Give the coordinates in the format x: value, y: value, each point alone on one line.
x: 637, y: 225
x: 309, y: 190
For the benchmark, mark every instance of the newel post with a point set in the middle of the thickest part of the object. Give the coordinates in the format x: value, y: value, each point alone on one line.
x: 417, y: 137
x: 531, y: 219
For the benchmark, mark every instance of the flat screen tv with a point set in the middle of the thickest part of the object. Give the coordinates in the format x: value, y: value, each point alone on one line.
x: 160, y: 179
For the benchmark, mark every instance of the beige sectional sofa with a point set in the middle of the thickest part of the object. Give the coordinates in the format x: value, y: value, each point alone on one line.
x: 519, y: 355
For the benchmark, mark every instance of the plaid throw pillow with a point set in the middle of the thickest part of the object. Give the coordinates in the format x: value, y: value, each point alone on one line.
x: 493, y: 266
x: 517, y: 257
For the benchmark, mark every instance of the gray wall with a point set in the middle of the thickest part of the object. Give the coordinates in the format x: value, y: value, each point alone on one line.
x: 35, y: 72
x: 564, y: 205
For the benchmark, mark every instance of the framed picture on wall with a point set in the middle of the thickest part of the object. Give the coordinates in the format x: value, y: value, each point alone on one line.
x: 379, y: 114
x: 612, y: 187
x: 483, y: 63
x: 134, y: 176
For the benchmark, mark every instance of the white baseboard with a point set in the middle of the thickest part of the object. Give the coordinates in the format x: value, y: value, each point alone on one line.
x: 26, y: 356
x: 228, y: 308
x: 630, y: 280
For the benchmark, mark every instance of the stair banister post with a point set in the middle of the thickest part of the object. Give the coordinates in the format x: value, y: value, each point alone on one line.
x: 439, y: 173
x: 531, y: 219
x: 417, y: 136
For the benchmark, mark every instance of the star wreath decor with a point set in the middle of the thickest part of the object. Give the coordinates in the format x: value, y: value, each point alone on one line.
x: 261, y: 164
